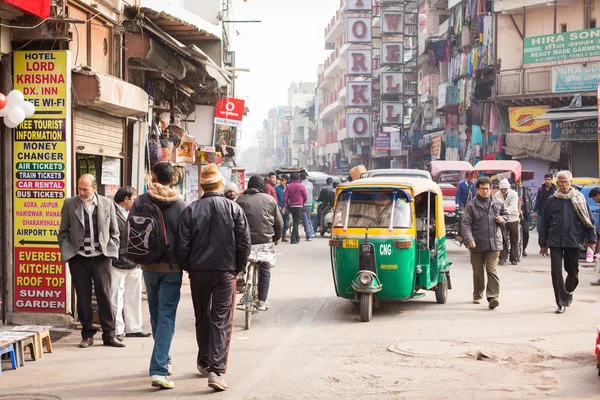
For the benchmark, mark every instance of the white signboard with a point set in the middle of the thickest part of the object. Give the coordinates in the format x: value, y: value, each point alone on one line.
x: 395, y: 141
x: 442, y: 95
x: 359, y: 5
x: 358, y: 125
x: 392, y: 113
x: 358, y: 62
x: 392, y: 53
x: 358, y: 94
x: 392, y: 83
x: 392, y: 22
x: 359, y: 30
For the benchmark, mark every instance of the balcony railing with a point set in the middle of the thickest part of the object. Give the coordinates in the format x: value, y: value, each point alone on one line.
x: 524, y: 81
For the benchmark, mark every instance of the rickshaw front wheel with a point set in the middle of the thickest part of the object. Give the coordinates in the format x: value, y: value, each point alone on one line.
x: 441, y: 291
x: 366, y: 306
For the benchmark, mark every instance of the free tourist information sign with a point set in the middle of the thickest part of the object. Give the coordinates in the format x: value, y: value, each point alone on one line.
x: 562, y: 48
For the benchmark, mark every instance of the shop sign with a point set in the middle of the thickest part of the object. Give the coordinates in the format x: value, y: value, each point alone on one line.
x: 392, y: 53
x: 575, y: 77
x: 229, y: 111
x: 442, y: 95
x: 381, y: 141
x: 208, y: 149
x: 40, y: 8
x: 436, y: 147
x: 359, y: 125
x: 392, y: 83
x: 523, y: 119
x: 42, y: 165
x: 358, y: 62
x: 392, y: 113
x: 392, y: 22
x: 574, y: 130
x: 359, y: 30
x: 359, y: 94
x: 395, y: 141
x: 562, y: 48
x: 359, y: 5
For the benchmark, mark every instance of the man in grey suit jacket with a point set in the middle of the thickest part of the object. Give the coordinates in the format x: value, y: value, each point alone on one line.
x: 89, y: 240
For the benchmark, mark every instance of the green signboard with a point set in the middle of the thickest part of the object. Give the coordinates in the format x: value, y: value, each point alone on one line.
x: 562, y: 48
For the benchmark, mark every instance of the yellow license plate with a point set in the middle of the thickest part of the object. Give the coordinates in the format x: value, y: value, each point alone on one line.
x: 350, y: 244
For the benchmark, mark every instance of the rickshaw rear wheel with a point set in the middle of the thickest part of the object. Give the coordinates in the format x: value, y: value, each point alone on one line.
x: 366, y: 306
x: 441, y: 291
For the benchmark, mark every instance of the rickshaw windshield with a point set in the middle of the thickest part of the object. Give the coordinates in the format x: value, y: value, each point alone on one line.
x: 366, y: 209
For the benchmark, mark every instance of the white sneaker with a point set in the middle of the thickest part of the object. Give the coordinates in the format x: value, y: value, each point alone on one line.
x: 163, y: 382
x: 217, y: 382
x: 263, y: 305
x: 203, y: 371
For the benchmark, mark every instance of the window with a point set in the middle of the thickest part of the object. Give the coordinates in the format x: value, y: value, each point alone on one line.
x: 592, y: 24
x: 563, y: 27
x: 373, y: 209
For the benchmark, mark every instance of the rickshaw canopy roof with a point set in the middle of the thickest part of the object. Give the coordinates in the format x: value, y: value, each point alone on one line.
x: 500, y: 166
x: 417, y: 185
x: 439, y: 166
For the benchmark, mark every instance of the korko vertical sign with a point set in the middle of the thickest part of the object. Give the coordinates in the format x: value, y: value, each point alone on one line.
x: 392, y: 22
x: 359, y: 5
x: 41, y: 156
x: 359, y: 125
x: 359, y: 62
x: 392, y: 113
x: 359, y: 30
x: 392, y: 53
x: 359, y: 94
x: 392, y: 83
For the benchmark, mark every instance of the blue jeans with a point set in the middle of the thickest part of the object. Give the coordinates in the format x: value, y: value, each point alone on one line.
x: 286, y: 223
x: 163, y: 290
x: 307, y: 222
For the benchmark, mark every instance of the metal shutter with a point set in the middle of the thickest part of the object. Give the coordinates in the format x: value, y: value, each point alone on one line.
x: 584, y: 159
x: 98, y: 133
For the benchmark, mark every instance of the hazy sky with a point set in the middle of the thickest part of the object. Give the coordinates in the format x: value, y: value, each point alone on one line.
x: 286, y: 46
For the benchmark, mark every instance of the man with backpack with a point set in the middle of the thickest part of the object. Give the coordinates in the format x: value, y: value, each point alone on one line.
x: 152, y: 238
x: 214, y: 245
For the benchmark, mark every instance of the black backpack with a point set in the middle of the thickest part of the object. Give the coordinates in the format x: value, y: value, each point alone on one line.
x: 147, y: 241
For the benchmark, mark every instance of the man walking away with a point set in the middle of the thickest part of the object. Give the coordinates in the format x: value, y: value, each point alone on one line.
x: 89, y: 240
x: 308, y: 205
x: 214, y: 245
x: 482, y: 222
x: 270, y: 186
x: 565, y: 225
x: 295, y: 195
x: 525, y: 219
x: 543, y: 194
x: 510, y: 199
x: 465, y: 192
x: 280, y: 189
x: 326, y: 198
x: 265, y: 224
x: 163, y: 277
x: 126, y: 275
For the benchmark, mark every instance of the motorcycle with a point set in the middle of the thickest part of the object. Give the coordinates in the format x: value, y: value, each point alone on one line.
x: 327, y: 222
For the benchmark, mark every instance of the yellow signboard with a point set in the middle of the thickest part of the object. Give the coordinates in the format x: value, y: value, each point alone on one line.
x: 41, y: 156
x: 523, y: 119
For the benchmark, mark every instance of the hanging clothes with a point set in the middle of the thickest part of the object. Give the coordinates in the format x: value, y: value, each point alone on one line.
x: 476, y: 135
x: 452, y: 117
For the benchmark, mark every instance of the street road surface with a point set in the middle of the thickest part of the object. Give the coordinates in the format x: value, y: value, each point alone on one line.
x: 312, y: 345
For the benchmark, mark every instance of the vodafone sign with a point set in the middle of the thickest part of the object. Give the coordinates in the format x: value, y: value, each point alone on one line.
x: 229, y: 111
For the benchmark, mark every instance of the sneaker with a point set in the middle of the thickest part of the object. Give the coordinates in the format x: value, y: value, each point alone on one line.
x: 263, y: 305
x: 309, y: 239
x: 163, y: 382
x: 169, y: 369
x: 560, y: 309
x: 217, y: 382
x: 203, y: 371
x: 493, y: 304
x: 477, y: 301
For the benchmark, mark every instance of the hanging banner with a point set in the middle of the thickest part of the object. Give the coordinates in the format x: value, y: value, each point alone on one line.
x: 42, y: 161
x: 436, y: 147
x: 522, y: 119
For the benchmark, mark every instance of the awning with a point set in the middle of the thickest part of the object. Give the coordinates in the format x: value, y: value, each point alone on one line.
x: 569, y: 113
x: 109, y: 94
x: 174, y: 20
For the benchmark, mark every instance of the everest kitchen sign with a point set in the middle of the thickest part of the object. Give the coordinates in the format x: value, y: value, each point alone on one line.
x: 229, y: 111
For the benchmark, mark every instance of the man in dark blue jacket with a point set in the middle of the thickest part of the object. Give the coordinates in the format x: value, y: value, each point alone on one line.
x: 465, y: 192
x: 543, y: 194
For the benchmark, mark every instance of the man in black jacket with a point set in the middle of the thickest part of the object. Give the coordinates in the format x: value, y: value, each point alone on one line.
x: 214, y: 245
x: 326, y: 198
x: 565, y: 225
x: 543, y: 194
x: 266, y: 224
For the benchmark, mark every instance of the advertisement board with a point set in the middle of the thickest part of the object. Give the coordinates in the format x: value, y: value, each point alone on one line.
x: 575, y: 77
x: 392, y: 22
x: 392, y: 83
x: 359, y: 125
x: 392, y: 113
x: 522, y: 119
x: 359, y: 62
x: 359, y: 94
x: 562, y: 48
x: 436, y: 147
x: 586, y: 130
x: 229, y: 111
x: 392, y: 53
x: 359, y: 30
x: 42, y: 160
x: 381, y: 141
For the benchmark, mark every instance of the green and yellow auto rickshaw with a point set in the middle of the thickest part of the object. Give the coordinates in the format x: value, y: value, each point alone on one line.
x: 388, y: 241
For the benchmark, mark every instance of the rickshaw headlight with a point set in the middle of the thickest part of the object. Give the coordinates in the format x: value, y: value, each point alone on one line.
x: 365, y: 279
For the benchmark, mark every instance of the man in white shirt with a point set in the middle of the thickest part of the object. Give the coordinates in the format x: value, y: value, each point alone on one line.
x: 510, y: 199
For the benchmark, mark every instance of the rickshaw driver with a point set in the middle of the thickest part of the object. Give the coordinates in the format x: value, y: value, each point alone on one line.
x: 376, y: 210
x: 421, y: 213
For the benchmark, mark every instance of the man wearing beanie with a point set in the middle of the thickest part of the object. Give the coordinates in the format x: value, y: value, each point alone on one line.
x: 265, y: 223
x: 510, y: 199
x: 214, y: 245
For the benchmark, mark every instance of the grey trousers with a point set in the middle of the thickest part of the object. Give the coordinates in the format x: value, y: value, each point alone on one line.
x: 485, y: 263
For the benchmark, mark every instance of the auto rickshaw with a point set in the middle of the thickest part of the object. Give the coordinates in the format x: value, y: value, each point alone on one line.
x: 388, y: 241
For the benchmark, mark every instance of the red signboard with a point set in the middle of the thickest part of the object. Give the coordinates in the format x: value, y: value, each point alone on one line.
x: 41, y: 8
x: 40, y: 280
x: 229, y: 111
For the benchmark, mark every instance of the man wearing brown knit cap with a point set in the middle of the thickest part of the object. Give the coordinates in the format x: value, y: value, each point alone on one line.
x: 214, y: 245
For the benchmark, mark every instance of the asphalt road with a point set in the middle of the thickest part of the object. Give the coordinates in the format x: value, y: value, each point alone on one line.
x: 312, y: 345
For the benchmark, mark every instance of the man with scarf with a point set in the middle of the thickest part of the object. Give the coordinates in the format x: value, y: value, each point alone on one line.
x: 564, y: 226
x: 265, y: 224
